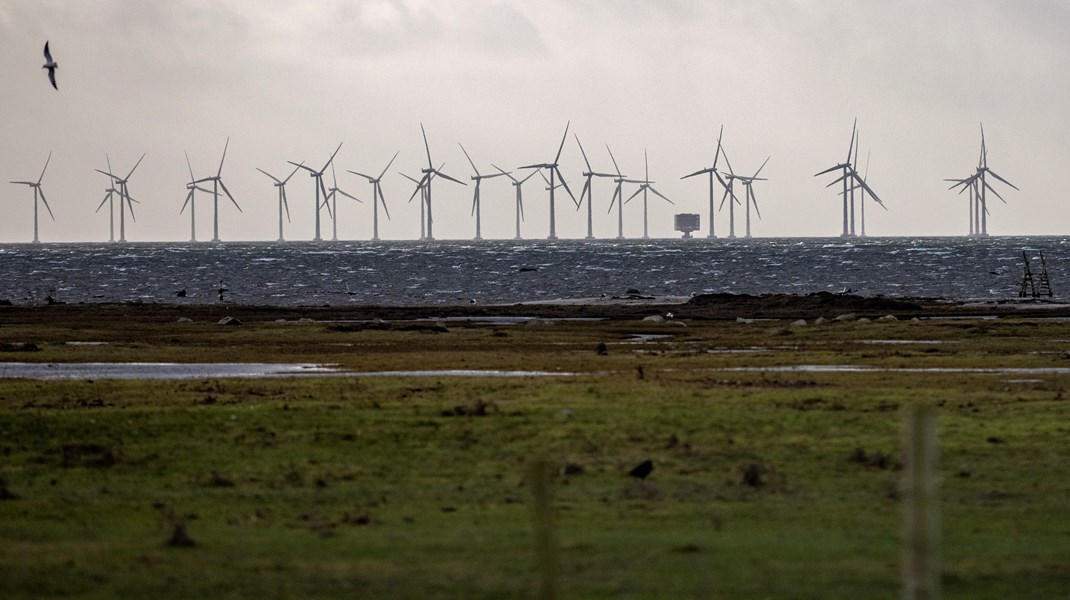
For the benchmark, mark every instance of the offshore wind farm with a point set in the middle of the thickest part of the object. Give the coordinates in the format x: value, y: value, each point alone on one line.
x: 505, y: 299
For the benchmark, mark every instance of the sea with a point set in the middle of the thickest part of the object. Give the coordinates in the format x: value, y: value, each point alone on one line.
x: 430, y: 273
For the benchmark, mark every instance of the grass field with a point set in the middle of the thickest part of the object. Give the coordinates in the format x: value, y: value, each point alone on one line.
x: 766, y: 484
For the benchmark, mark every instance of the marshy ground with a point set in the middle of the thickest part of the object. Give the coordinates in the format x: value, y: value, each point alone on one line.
x: 765, y: 483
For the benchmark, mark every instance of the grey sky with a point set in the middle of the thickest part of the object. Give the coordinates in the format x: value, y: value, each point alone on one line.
x: 289, y: 80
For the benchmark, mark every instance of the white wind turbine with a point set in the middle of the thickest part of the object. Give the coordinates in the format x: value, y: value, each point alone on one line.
x: 713, y: 174
x: 281, y: 185
x: 751, y: 198
x: 645, y: 186
x: 125, y: 201
x: 421, y: 188
x: 191, y: 200
x: 109, y: 193
x: 478, y: 178
x: 519, y: 185
x: 554, y: 170
x: 377, y: 196
x: 979, y: 185
x: 425, y: 185
x: 332, y: 197
x: 217, y: 182
x: 38, y: 192
x: 618, y: 195
x: 590, y: 174
x: 318, y: 176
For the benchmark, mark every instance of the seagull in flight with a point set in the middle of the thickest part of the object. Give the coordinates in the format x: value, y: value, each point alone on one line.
x: 51, y: 65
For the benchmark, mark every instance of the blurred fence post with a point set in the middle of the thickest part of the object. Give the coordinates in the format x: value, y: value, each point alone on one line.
x: 546, y: 552
x: 921, y: 506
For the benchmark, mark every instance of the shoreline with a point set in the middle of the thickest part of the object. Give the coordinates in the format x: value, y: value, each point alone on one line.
x: 704, y: 307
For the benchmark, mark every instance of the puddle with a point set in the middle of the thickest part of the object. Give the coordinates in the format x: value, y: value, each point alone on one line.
x: 485, y: 320
x: 86, y: 343
x: 881, y: 342
x: 642, y: 338
x: 176, y: 371
x: 457, y: 373
x: 865, y: 369
x: 73, y: 371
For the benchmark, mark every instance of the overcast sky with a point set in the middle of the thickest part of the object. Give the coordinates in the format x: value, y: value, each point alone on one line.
x: 290, y: 80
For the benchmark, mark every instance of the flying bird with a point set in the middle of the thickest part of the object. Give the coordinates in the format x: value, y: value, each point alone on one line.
x: 51, y: 65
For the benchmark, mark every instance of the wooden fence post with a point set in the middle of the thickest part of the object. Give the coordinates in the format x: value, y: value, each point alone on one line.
x: 546, y: 551
x: 921, y: 506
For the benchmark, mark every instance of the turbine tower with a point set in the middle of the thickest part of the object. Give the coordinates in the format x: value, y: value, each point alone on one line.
x: 519, y: 185
x: 38, y: 192
x: 713, y: 174
x: 125, y: 201
x: 425, y: 185
x: 730, y: 195
x: 590, y: 174
x: 282, y: 195
x: 318, y: 176
x: 217, y: 182
x: 377, y: 197
x: 980, y: 187
x: 332, y: 197
x: 554, y: 170
x: 645, y: 186
x: 478, y: 178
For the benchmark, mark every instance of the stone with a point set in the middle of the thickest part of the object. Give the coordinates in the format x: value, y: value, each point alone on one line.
x: 846, y: 317
x: 799, y: 323
x: 654, y: 319
x: 887, y: 318
x: 184, y: 320
x: 229, y: 321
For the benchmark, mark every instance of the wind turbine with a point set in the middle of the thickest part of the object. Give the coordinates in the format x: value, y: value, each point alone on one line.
x: 38, y: 192
x: 846, y: 168
x: 217, y: 182
x: 714, y: 174
x: 377, y: 197
x: 519, y: 185
x: 332, y: 197
x: 421, y: 187
x: 618, y: 194
x: 125, y: 200
x: 554, y: 170
x: 425, y: 184
x: 109, y: 192
x: 751, y: 198
x: 645, y: 186
x: 590, y: 174
x: 191, y: 201
x: 981, y: 186
x: 282, y: 195
x: 318, y: 176
x: 478, y: 178
x: 970, y: 183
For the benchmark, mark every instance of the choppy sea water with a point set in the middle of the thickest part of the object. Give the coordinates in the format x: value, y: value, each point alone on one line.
x: 486, y: 272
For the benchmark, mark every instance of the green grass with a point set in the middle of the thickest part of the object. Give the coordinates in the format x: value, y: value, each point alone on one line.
x: 363, y: 487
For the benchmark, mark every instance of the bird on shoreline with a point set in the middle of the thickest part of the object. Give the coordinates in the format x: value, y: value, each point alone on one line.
x: 51, y: 65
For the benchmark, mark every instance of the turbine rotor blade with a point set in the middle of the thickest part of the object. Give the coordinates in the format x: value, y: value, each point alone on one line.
x: 258, y: 169
x: 219, y: 173
x: 469, y: 158
x: 135, y: 167
x: 48, y: 160
x: 388, y: 165
x: 562, y: 146
x: 227, y: 192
